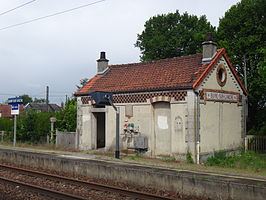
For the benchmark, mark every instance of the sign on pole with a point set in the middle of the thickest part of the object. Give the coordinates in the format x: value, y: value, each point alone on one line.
x: 14, y: 102
x: 15, y: 109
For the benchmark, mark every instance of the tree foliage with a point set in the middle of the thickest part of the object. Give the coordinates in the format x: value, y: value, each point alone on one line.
x: 6, y: 124
x: 171, y: 35
x: 33, y: 126
x: 26, y: 98
x: 242, y: 31
x: 39, y: 100
x: 67, y: 118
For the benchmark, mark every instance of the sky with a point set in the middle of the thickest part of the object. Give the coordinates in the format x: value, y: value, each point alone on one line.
x: 59, y: 51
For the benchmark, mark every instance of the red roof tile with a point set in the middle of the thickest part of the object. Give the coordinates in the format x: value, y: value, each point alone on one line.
x: 5, y: 111
x: 172, y: 73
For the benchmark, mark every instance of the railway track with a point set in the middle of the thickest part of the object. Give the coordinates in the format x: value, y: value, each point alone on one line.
x: 44, y: 192
x: 50, y: 192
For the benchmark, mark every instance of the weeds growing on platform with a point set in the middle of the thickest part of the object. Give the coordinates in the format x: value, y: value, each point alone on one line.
x: 245, y: 160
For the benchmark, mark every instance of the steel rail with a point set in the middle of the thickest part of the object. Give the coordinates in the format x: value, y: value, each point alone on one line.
x: 40, y: 190
x: 96, y: 186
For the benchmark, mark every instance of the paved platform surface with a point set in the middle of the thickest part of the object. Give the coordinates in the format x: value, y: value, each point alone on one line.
x: 194, y: 182
x: 159, y: 167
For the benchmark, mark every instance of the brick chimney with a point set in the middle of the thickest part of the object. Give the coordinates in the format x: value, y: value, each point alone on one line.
x: 209, y: 48
x: 102, y: 64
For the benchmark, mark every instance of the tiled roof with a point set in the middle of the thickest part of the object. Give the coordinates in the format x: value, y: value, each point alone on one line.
x: 172, y: 73
x: 43, y: 107
x: 5, y: 111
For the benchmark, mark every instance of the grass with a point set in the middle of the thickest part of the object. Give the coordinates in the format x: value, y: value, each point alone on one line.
x: 248, y: 163
x: 245, y: 160
x: 136, y: 156
x: 169, y: 159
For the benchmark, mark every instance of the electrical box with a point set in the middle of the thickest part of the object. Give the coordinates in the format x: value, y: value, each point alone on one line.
x: 102, y: 98
x: 141, y: 142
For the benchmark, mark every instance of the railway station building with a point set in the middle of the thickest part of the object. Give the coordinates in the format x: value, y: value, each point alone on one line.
x: 170, y: 107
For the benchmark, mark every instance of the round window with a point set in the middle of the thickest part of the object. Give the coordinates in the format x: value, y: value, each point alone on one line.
x: 221, y: 75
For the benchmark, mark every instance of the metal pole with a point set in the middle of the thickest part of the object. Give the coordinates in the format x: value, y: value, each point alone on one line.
x: 47, y: 98
x: 15, y: 130
x: 117, y: 110
x: 245, y: 104
x: 245, y: 72
x: 52, y: 131
x: 117, y: 151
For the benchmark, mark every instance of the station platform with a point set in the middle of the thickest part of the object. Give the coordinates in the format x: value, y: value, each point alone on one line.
x: 158, y: 175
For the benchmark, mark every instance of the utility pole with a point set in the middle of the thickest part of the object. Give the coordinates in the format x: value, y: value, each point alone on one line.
x: 245, y: 103
x: 245, y: 72
x: 47, y: 98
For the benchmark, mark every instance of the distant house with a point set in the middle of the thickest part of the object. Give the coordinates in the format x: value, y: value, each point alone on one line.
x: 185, y: 104
x: 5, y: 111
x: 42, y: 107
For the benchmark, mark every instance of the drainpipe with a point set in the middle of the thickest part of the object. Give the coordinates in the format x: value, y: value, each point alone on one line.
x: 197, y: 127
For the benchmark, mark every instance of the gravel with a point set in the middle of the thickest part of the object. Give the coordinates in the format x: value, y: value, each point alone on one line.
x: 9, y: 192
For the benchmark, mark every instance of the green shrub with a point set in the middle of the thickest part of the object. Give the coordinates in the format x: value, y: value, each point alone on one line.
x: 189, y: 158
x: 6, y: 124
x: 245, y: 160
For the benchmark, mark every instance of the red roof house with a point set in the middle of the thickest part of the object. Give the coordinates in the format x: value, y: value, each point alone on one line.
x: 5, y: 111
x: 174, y: 106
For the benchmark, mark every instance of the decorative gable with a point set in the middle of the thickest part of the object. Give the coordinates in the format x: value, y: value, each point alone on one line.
x: 221, y: 78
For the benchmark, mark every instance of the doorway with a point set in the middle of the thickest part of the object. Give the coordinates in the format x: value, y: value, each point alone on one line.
x: 100, y: 129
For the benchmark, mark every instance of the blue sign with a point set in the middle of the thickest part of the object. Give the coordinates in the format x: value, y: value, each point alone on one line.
x: 16, y: 100
x: 14, y: 107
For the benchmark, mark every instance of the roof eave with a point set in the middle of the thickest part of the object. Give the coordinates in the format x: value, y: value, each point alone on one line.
x: 141, y: 90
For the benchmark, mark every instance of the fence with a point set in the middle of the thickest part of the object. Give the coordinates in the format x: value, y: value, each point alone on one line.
x: 256, y: 143
x: 5, y: 136
x: 68, y: 139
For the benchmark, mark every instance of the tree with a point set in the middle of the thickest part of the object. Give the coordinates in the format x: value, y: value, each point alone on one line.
x: 67, y: 118
x: 39, y: 100
x: 242, y: 31
x: 171, y: 35
x: 26, y: 99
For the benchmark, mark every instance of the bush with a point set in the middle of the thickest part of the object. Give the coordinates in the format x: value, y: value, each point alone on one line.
x: 6, y: 124
x: 189, y: 158
x: 33, y: 126
x: 245, y: 160
x: 67, y: 118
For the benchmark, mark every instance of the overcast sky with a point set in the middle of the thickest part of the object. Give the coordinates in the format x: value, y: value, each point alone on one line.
x: 59, y: 51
